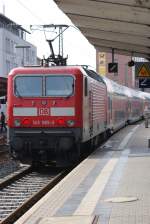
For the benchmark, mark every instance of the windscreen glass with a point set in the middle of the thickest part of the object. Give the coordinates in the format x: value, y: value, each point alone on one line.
x: 40, y: 86
x: 59, y: 85
x: 25, y: 86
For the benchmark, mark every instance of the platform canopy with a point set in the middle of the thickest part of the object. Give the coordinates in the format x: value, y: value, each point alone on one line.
x: 122, y: 25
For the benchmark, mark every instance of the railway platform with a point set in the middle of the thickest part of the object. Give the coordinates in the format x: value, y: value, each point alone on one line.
x: 111, y: 186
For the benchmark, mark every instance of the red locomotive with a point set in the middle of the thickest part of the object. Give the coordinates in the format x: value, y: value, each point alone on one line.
x: 53, y: 111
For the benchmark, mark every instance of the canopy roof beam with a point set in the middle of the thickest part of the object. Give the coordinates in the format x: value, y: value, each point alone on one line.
x: 120, y: 24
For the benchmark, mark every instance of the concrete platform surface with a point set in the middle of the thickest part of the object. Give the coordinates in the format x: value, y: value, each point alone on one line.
x: 67, y: 220
x: 112, y: 185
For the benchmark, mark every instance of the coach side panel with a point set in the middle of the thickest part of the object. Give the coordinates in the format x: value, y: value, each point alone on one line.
x: 94, y: 108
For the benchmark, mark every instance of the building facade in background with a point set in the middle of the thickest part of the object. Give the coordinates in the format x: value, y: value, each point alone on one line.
x: 15, y: 51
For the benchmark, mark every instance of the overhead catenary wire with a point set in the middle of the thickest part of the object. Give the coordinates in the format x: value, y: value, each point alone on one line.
x: 30, y: 11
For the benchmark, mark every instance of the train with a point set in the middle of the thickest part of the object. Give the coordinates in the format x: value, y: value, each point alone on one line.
x: 55, y: 113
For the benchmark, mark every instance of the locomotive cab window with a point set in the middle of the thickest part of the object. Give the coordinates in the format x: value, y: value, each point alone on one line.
x: 25, y: 86
x: 59, y: 85
x: 42, y: 86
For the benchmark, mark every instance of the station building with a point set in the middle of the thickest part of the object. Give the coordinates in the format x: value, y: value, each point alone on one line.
x: 12, y: 36
x: 15, y: 51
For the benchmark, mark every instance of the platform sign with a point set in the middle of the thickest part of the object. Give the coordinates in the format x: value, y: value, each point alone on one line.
x: 102, y: 63
x: 142, y: 69
x: 113, y: 67
x: 144, y: 83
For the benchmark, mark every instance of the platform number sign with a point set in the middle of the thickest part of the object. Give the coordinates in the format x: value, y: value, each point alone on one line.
x: 113, y: 67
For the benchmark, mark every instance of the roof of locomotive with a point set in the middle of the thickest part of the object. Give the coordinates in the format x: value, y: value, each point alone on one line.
x: 65, y: 70
x: 37, y: 69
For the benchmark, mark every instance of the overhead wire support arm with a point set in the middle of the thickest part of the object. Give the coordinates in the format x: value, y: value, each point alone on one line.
x: 53, y: 58
x: 57, y: 26
x: 51, y: 48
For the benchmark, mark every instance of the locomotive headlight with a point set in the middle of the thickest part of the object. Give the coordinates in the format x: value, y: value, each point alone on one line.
x: 17, y: 123
x: 70, y: 123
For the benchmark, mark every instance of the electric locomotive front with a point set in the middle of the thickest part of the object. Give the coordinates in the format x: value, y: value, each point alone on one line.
x: 43, y: 122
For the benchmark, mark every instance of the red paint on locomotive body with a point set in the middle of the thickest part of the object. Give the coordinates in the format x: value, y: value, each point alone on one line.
x: 46, y: 110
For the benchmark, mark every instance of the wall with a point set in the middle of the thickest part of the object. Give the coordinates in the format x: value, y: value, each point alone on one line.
x: 124, y: 76
x: 10, y: 56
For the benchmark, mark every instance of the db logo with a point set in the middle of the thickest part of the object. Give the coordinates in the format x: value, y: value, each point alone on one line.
x: 44, y: 111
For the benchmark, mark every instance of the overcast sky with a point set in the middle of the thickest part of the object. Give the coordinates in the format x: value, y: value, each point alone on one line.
x: 36, y: 12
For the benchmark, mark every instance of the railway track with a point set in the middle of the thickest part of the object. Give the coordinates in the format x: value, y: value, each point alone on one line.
x: 3, y: 150
x: 19, y: 192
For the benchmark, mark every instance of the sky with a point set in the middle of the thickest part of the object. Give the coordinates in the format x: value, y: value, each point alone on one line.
x: 37, y: 12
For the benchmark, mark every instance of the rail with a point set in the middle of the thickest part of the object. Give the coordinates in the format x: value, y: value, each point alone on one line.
x: 20, y: 191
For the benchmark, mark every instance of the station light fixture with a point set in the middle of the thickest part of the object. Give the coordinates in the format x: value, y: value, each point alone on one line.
x: 131, y: 63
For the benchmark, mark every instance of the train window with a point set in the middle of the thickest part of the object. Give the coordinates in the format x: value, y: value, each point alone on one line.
x: 86, y: 87
x: 27, y: 86
x: 59, y: 85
